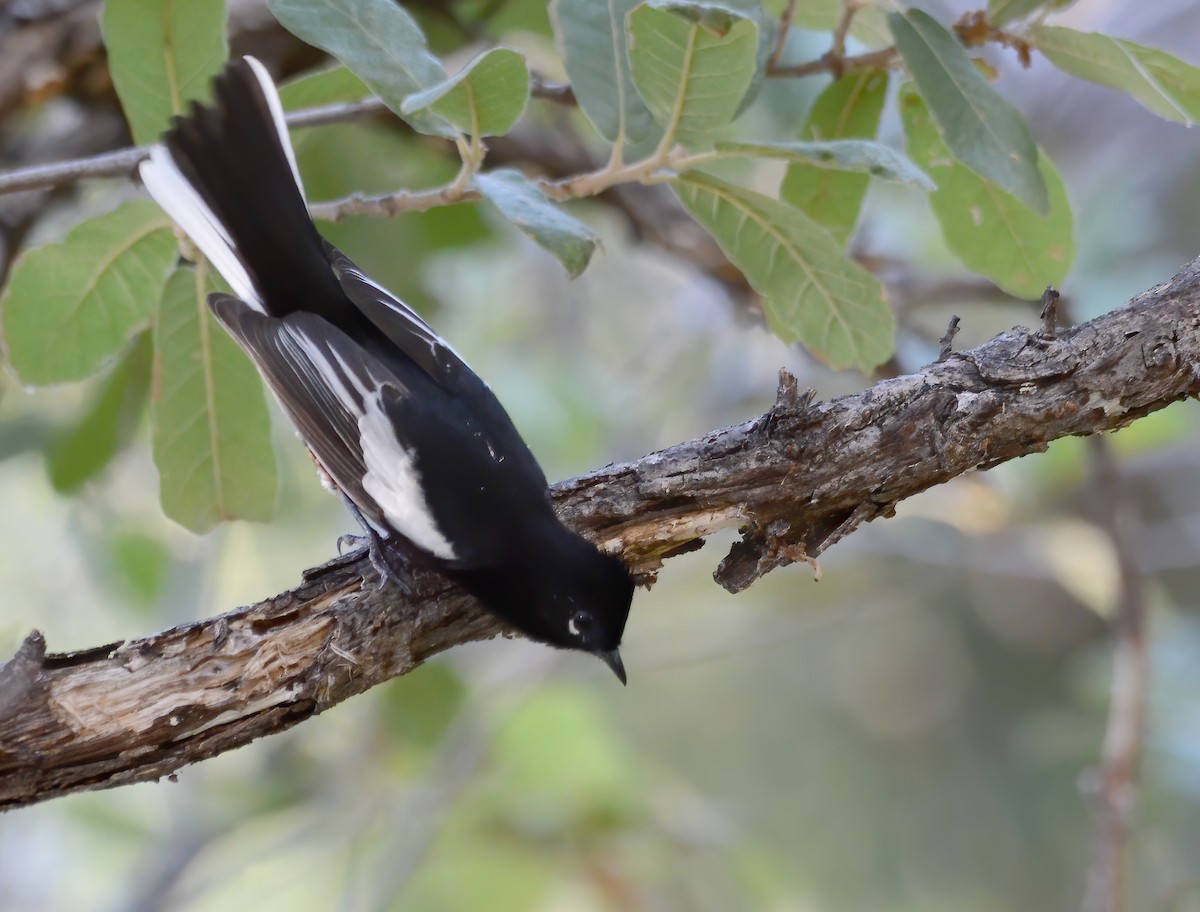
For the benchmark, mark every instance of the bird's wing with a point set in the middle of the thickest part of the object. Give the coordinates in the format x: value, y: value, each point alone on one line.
x: 402, y: 326
x: 341, y: 400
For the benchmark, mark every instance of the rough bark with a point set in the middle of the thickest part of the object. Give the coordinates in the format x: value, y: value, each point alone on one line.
x: 794, y: 480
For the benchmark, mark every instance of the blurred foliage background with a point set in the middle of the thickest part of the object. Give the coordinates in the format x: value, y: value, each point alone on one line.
x: 913, y: 733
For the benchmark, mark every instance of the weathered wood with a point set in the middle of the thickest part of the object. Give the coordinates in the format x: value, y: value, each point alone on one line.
x: 794, y: 480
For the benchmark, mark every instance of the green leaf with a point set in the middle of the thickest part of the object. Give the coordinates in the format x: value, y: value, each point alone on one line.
x: 1002, y: 12
x: 380, y: 42
x: 330, y: 86
x: 211, y: 430
x: 768, y: 35
x: 523, y: 204
x: 811, y: 292
x: 71, y: 307
x: 139, y: 564
x: 992, y: 232
x: 858, y: 155
x: 162, y: 54
x: 981, y: 129
x: 485, y: 98
x: 1164, y: 84
x: 591, y: 39
x: 420, y: 712
x: 107, y: 425
x: 692, y: 65
x: 848, y: 108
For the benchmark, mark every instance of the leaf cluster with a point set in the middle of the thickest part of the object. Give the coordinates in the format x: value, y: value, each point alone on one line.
x: 665, y: 85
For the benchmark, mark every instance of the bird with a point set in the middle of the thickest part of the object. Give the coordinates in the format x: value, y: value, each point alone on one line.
x: 416, y: 443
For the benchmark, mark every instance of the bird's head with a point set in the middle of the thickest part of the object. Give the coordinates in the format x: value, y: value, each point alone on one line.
x: 567, y: 594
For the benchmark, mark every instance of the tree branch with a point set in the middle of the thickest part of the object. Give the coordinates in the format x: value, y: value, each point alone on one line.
x: 793, y: 480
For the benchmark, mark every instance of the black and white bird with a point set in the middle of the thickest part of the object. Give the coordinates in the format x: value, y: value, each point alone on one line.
x: 418, y: 445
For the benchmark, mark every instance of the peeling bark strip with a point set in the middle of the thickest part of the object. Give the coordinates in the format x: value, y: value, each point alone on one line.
x: 794, y: 480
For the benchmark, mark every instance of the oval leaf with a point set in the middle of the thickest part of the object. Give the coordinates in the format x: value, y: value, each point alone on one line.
x: 811, y: 292
x: 376, y: 39
x: 485, y: 98
x: 992, y: 232
x: 71, y: 307
x: 211, y: 430
x: 162, y: 54
x: 692, y: 65
x: 106, y: 426
x: 981, y: 129
x: 848, y: 108
x: 591, y: 39
x: 1164, y: 84
x: 523, y: 204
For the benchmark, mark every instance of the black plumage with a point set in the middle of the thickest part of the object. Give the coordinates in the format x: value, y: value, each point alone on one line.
x: 416, y: 442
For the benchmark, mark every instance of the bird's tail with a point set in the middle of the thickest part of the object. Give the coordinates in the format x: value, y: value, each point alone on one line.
x: 226, y: 173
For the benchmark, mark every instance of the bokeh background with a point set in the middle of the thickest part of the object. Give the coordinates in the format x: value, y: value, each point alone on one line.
x: 915, y: 732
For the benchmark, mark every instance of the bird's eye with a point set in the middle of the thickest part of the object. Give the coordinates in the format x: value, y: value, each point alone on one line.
x: 580, y: 624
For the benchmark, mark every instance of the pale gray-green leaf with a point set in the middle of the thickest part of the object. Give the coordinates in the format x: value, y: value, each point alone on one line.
x: 377, y: 40
x: 211, y: 429
x: 861, y: 155
x: 162, y: 54
x: 1164, y: 84
x: 768, y: 34
x: 692, y: 65
x: 523, y: 204
x: 811, y: 291
x: 71, y: 307
x: 992, y: 232
x: 485, y: 98
x: 591, y: 38
x: 981, y: 129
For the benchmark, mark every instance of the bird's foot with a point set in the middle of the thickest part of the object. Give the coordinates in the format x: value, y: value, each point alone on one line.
x: 392, y: 565
x: 351, y: 542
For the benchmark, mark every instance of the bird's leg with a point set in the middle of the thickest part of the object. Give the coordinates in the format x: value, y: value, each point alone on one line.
x: 390, y: 562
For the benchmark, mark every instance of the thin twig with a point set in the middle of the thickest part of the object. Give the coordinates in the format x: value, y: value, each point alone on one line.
x: 872, y: 60
x: 785, y: 25
x: 124, y: 162
x: 837, y: 51
x: 1113, y: 787
x: 558, y: 92
x: 946, y: 342
x: 1050, y: 299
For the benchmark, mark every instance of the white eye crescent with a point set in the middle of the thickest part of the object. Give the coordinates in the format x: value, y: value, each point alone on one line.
x: 580, y: 623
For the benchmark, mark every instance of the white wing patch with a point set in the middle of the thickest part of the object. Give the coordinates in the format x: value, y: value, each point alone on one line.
x: 391, y: 478
x: 394, y: 482
x: 171, y: 190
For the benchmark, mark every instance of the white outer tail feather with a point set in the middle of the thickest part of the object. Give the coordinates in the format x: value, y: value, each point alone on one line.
x: 179, y: 199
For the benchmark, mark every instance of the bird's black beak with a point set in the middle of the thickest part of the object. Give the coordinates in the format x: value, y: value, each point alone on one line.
x: 613, y: 660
